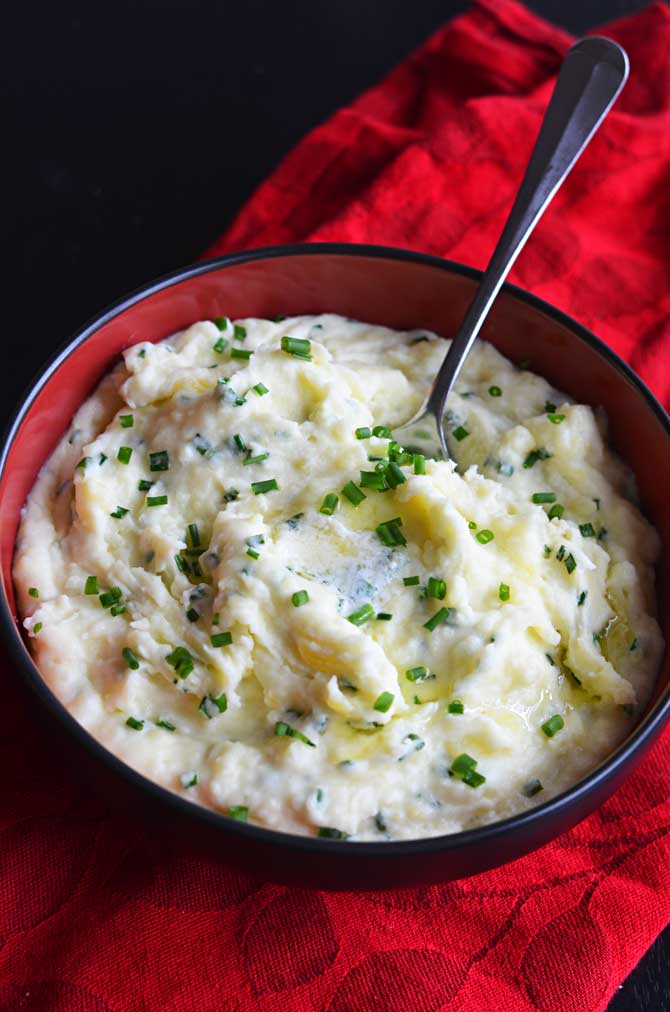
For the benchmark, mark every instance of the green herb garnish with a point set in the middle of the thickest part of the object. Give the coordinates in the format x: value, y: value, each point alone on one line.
x: 553, y: 725
x: 284, y: 730
x: 130, y: 658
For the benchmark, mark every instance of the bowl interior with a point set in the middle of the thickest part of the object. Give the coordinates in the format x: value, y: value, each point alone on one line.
x: 392, y: 288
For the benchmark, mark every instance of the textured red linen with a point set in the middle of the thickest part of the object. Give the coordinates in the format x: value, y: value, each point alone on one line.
x: 96, y: 917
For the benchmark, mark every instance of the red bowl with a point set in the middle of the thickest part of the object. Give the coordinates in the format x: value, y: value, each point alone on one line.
x: 403, y: 290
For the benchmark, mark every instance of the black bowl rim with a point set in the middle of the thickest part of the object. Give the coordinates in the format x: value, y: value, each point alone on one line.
x: 643, y: 733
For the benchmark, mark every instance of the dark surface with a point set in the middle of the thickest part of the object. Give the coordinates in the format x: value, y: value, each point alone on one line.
x: 132, y: 132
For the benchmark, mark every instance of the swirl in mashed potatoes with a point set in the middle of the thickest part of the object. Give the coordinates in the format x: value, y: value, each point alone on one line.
x: 235, y: 580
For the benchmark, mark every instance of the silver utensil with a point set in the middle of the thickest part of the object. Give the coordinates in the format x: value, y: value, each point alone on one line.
x: 592, y: 74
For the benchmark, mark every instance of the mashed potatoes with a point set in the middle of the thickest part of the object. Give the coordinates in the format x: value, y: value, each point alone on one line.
x: 235, y: 581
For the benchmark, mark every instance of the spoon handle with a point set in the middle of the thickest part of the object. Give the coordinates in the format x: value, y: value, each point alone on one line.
x: 591, y: 76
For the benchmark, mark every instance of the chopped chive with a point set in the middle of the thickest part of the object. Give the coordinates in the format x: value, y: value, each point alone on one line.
x: 362, y: 615
x: 374, y: 479
x: 253, y: 554
x: 91, y: 585
x: 220, y: 346
x: 532, y: 788
x: 503, y: 592
x: 353, y: 493
x: 231, y: 495
x: 553, y: 725
x: 37, y: 627
x: 602, y: 534
x: 159, y: 461
x: 239, y: 332
x: 110, y: 597
x: 419, y: 462
x: 418, y: 674
x: 382, y: 432
x: 119, y: 512
x: 411, y: 581
x: 189, y: 779
x: 279, y: 318
x: 156, y: 500
x: 260, y: 389
x: 257, y: 459
x: 363, y: 432
x: 83, y: 463
x: 463, y: 763
x: 181, y: 660
x: 383, y: 702
x: 560, y: 554
x: 126, y: 421
x: 436, y: 588
x: 299, y: 598
x: 495, y: 392
x: 124, y: 454
x: 472, y: 525
x: 239, y: 812
x: 390, y: 534
x: 130, y: 658
x: 34, y: 592
x: 180, y: 563
x: 144, y: 485
x: 455, y: 706
x: 117, y: 609
x: 328, y: 833
x: 582, y: 597
x: 259, y: 487
x: 547, y: 551
x: 192, y: 615
x: 329, y: 504
x: 136, y: 725
x: 542, y: 497
x: 211, y: 706
x: 193, y: 536
x: 633, y: 646
x: 239, y: 442
x: 460, y: 433
x: 394, y: 475
x: 473, y: 779
x: 221, y: 639
x: 222, y: 322
x: 244, y: 353
x: 142, y: 353
x: 299, y: 347
x: 587, y: 531
x: 535, y: 455
x: 383, y: 616
x: 284, y: 730
x: 549, y: 406
x: 484, y: 536
x: 554, y: 418
x: 441, y: 616
x: 556, y: 511
x: 570, y: 563
x: 102, y: 458
x: 167, y: 724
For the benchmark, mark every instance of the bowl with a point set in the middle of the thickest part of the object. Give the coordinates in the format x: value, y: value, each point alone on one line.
x: 401, y: 289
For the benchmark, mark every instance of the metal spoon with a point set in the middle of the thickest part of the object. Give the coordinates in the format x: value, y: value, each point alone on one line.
x: 592, y: 74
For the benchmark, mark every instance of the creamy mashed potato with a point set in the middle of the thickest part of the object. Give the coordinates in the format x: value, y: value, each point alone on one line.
x: 236, y: 582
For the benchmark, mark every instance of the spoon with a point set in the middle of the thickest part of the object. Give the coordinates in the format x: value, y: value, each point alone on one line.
x: 592, y: 74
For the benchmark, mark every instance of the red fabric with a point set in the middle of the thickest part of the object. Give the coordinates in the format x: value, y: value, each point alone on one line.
x: 94, y: 917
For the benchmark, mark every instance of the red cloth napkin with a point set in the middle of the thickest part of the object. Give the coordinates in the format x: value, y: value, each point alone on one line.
x: 96, y: 917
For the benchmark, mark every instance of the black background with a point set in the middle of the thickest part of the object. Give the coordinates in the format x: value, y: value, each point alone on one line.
x: 133, y: 131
